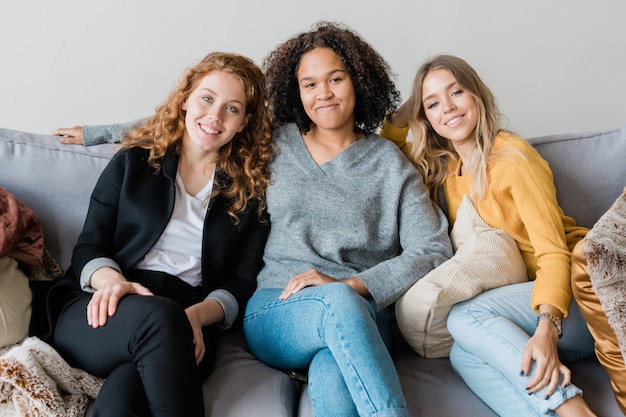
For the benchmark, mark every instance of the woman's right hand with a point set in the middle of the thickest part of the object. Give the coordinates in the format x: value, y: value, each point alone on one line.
x: 110, y: 286
x: 70, y: 135
x: 541, y: 349
x: 313, y: 278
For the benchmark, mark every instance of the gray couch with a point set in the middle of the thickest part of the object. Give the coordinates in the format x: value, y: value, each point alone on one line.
x: 56, y: 181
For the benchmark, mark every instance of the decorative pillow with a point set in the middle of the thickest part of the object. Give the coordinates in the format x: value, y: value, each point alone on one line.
x: 484, y: 258
x: 15, y: 303
x: 605, y: 248
x: 49, y: 270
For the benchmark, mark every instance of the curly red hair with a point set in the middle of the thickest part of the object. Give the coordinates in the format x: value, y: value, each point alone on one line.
x: 244, y: 160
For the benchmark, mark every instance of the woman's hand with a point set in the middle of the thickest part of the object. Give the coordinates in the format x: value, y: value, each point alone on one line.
x: 400, y: 118
x: 542, y: 349
x: 70, y: 135
x: 195, y: 319
x: 313, y: 278
x: 202, y: 314
x: 110, y: 286
x: 309, y: 278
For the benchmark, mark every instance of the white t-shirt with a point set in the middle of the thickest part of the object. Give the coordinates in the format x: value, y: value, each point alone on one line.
x: 179, y: 249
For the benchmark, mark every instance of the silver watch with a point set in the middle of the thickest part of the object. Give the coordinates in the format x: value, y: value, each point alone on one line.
x: 554, y: 319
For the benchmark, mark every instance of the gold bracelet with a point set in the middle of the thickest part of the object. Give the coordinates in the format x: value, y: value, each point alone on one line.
x: 554, y: 319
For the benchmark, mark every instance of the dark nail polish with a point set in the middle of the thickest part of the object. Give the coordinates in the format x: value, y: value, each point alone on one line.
x: 547, y: 397
x: 521, y: 373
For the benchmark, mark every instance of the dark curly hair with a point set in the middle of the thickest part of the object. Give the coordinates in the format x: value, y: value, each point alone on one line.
x: 376, y: 93
x: 244, y: 160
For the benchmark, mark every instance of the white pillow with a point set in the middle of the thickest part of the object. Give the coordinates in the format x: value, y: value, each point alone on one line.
x: 15, y: 303
x: 484, y: 258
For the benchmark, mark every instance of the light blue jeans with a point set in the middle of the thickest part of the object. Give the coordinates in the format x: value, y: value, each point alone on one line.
x: 332, y: 331
x: 491, y: 331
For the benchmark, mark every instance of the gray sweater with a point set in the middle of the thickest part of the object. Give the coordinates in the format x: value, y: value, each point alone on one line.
x: 366, y: 213
x: 96, y: 135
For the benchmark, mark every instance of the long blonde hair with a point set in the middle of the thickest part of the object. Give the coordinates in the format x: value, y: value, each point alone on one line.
x: 244, y: 160
x: 434, y: 155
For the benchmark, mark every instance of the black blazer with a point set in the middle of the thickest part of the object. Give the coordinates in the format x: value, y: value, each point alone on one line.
x: 129, y: 209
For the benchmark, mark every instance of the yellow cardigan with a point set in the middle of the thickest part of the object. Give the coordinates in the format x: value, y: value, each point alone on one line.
x: 521, y: 200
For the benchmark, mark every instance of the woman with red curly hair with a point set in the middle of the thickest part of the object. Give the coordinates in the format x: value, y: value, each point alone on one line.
x: 172, y: 244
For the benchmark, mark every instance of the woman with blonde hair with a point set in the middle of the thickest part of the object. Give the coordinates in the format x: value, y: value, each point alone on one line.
x: 507, y: 341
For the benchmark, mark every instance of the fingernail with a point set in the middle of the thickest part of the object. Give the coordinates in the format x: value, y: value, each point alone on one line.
x: 521, y: 373
x: 547, y: 397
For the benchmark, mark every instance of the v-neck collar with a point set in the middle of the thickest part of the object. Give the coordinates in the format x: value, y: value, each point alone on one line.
x: 338, y: 164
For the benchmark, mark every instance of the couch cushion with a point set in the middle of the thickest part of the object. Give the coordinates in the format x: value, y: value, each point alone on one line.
x: 15, y: 300
x: 589, y: 170
x: 433, y: 388
x: 242, y: 385
x: 589, y: 376
x: 55, y: 181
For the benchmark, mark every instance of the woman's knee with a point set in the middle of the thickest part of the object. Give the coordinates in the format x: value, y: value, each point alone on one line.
x: 458, y: 318
x: 155, y: 310
x: 155, y: 321
x: 508, y: 301
x: 343, y: 304
x: 342, y: 295
x: 465, y: 316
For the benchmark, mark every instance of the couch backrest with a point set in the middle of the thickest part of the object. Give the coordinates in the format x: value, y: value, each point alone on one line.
x: 589, y: 170
x: 54, y: 180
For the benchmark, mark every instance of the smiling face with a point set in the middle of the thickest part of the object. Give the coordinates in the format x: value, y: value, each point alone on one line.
x: 215, y: 112
x: 326, y: 90
x: 450, y: 110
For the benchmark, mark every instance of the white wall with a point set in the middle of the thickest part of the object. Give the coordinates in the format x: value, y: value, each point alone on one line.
x: 555, y: 66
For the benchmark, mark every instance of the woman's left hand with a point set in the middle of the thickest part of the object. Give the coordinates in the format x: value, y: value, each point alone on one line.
x: 309, y: 278
x: 542, y: 349
x: 204, y: 313
x: 195, y: 319
x: 70, y: 135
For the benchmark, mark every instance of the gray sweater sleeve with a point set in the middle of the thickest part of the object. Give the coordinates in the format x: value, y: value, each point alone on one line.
x: 423, y: 230
x: 96, y: 135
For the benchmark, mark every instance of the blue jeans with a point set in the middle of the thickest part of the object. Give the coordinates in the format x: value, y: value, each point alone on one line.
x: 490, y: 333
x: 332, y: 331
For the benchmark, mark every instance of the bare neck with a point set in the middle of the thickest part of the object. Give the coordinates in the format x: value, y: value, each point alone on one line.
x: 195, y: 170
x: 325, y: 144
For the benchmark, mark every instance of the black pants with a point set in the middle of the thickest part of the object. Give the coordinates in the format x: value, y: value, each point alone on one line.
x: 145, y: 351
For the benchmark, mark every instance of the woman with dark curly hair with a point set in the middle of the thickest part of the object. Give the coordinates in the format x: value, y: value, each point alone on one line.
x: 352, y: 225
x: 172, y: 244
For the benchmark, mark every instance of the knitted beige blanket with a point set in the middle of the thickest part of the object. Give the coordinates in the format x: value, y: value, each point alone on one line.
x: 605, y: 249
x: 36, y: 382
